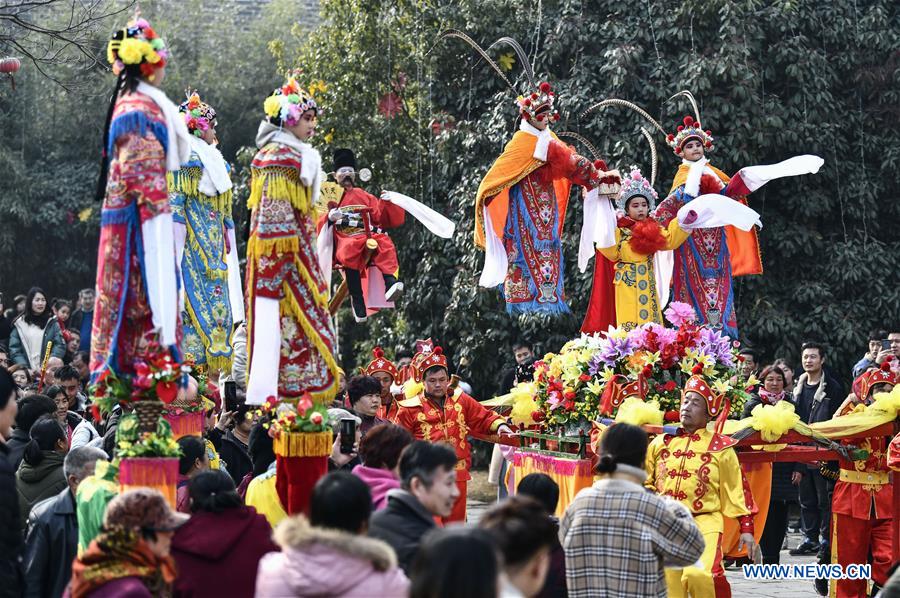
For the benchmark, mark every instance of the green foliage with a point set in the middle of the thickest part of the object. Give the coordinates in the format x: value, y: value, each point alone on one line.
x: 773, y: 79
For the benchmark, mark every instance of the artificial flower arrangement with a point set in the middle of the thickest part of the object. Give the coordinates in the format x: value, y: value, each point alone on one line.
x: 131, y: 442
x: 304, y: 416
x: 157, y: 377
x: 568, y: 386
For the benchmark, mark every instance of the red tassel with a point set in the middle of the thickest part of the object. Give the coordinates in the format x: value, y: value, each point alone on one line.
x: 647, y: 237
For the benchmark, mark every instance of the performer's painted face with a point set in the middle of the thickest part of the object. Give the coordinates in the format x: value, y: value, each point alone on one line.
x: 436, y: 382
x: 638, y: 208
x: 693, y: 411
x: 543, y: 123
x: 306, y: 128
x: 692, y: 150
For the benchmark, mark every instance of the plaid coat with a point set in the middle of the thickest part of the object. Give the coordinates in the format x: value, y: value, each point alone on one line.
x: 618, y: 537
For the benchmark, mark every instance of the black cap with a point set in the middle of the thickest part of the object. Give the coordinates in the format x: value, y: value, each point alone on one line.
x: 344, y: 157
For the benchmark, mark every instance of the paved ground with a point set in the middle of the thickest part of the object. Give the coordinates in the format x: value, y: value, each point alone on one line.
x: 740, y: 587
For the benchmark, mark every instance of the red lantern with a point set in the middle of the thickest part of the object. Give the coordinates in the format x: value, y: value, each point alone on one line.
x: 10, y: 66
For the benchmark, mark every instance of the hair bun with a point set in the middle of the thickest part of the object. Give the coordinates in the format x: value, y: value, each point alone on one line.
x: 607, y: 464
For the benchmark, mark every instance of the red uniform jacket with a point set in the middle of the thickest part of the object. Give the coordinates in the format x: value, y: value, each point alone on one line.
x: 461, y: 413
x: 350, y: 241
x: 862, y: 482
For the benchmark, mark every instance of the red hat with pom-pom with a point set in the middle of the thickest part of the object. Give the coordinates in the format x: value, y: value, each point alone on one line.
x: 380, y: 363
x: 883, y: 375
x: 435, y: 359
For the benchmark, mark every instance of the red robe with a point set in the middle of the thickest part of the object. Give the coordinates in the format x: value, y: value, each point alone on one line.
x: 350, y: 242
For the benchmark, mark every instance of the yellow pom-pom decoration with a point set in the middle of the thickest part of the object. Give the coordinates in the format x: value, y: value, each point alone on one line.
x: 152, y: 56
x: 130, y: 51
x: 637, y: 412
x: 523, y: 403
x: 272, y: 106
x: 411, y: 388
x: 773, y: 421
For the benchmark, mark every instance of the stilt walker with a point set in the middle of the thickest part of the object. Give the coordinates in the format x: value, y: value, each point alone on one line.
x: 145, y: 137
x: 205, y: 244
x: 290, y: 337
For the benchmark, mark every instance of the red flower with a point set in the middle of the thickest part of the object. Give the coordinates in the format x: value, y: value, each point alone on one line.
x: 304, y: 404
x: 584, y: 377
x: 569, y: 405
x: 671, y: 416
x: 545, y: 87
x: 569, y: 395
x: 95, y: 411
x: 166, y: 391
x: 647, y: 371
x: 316, y: 418
x: 537, y: 415
x: 669, y: 386
x: 697, y: 369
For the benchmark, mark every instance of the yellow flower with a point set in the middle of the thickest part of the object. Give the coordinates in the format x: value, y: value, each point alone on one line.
x: 152, y: 56
x: 752, y: 380
x: 595, y: 388
x: 329, y: 136
x: 651, y: 358
x: 506, y: 61
x: 272, y: 105
x: 721, y: 386
x: 617, y: 333
x: 317, y: 86
x: 85, y: 214
x: 131, y: 51
x: 607, y: 375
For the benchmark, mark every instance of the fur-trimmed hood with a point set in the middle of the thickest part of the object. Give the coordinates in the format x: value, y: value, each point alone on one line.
x: 298, y: 534
x: 324, y: 562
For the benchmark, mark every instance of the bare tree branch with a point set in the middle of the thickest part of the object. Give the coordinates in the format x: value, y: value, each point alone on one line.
x: 61, y: 38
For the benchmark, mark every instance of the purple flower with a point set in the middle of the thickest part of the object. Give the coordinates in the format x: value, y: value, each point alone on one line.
x: 679, y: 313
x: 714, y: 343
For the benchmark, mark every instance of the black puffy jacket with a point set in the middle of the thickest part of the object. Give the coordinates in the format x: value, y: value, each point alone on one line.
x: 10, y: 529
x: 402, y: 523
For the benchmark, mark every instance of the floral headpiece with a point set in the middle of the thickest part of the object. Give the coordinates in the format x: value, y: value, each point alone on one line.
x: 288, y: 103
x: 689, y: 129
x: 198, y: 116
x: 137, y: 45
x: 634, y: 185
x: 538, y: 105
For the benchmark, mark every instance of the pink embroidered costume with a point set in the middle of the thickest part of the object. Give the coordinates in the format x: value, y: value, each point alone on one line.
x: 136, y: 268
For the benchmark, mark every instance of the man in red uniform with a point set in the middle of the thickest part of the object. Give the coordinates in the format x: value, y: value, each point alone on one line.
x: 439, y: 413
x: 861, y: 508
x: 361, y: 245
x: 382, y: 369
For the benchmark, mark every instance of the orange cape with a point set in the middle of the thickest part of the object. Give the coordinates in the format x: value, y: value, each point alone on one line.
x: 743, y: 246
x: 515, y: 163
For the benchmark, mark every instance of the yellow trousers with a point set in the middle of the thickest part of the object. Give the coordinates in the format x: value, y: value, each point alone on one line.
x: 699, y: 582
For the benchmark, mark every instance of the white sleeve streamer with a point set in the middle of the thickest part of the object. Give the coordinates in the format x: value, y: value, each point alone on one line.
x: 161, y: 275
x: 495, y: 260
x: 265, y: 351
x: 598, y: 228
x: 713, y: 210
x: 437, y: 223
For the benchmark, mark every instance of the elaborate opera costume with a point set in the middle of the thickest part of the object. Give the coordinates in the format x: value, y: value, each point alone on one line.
x: 520, y: 206
x: 205, y: 244
x: 701, y: 471
x: 705, y: 265
x: 290, y: 337
x: 137, y: 283
x: 448, y: 421
x: 362, y: 247
x: 862, y: 507
x: 353, y: 235
x: 637, y: 293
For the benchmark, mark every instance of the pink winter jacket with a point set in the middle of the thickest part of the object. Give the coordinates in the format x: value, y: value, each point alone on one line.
x: 379, y: 482
x: 328, y: 563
